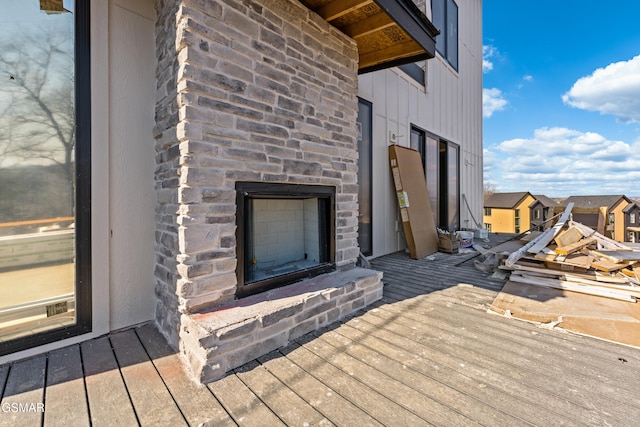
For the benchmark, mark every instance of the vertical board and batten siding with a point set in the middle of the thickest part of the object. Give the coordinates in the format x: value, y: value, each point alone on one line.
x: 450, y: 108
x: 132, y: 89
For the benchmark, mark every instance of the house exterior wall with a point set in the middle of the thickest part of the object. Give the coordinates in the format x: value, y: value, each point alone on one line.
x: 450, y: 107
x: 619, y: 233
x: 501, y: 220
x: 132, y: 197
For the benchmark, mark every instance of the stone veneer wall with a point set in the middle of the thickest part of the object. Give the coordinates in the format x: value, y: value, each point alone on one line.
x: 260, y: 90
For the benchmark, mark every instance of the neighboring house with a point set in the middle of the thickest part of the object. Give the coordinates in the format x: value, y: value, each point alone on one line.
x: 508, y: 212
x: 214, y: 150
x: 632, y: 222
x: 541, y: 210
x: 603, y: 213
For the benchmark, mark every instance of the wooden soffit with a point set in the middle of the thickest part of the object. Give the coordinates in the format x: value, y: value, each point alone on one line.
x: 388, y: 32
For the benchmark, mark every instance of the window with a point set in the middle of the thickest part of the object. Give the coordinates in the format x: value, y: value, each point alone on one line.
x: 416, y: 71
x: 517, y: 222
x: 612, y: 218
x: 487, y: 211
x: 632, y: 218
x: 487, y: 227
x: 445, y: 18
x: 45, y: 175
x: 536, y: 214
x: 364, y: 126
x: 517, y: 213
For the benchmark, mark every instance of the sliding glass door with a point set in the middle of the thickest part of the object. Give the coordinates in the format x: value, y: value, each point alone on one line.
x: 44, y: 172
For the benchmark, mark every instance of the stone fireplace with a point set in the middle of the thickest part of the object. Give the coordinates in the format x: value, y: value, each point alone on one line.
x: 285, y: 232
x: 255, y: 117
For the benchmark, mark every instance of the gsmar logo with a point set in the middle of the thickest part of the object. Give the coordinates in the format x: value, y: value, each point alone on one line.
x: 21, y: 407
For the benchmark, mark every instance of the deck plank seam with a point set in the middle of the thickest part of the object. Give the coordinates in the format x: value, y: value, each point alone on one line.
x: 453, y: 357
x: 84, y: 384
x: 500, y: 334
x: 323, y: 382
x: 124, y: 382
x: 551, y: 379
x: 235, y: 372
x: 153, y: 363
x: 462, y: 392
x: 319, y: 336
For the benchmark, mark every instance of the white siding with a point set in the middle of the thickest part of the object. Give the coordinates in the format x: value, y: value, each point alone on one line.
x: 451, y: 108
x: 131, y: 161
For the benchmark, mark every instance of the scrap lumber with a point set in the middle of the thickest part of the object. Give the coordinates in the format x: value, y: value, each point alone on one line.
x: 594, y: 279
x: 576, y: 260
x: 632, y: 290
x: 604, y: 241
x: 546, y: 238
x: 568, y: 237
x: 575, y: 246
x: 574, y: 287
x: 618, y: 256
x: 608, y: 266
x: 542, y: 240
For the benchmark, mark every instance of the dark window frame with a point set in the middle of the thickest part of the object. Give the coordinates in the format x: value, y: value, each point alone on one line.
x: 83, y: 292
x: 442, y: 40
x: 248, y: 191
x: 369, y: 159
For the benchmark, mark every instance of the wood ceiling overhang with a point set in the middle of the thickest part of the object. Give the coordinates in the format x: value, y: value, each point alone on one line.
x: 388, y: 32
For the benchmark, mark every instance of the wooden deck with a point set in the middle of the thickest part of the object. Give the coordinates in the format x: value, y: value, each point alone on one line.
x: 428, y: 354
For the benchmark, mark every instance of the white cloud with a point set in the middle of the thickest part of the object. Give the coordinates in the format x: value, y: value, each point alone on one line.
x: 492, y: 101
x: 614, y: 89
x: 488, y: 52
x: 563, y: 162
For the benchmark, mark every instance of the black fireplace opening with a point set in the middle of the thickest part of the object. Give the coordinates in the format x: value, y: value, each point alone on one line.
x: 285, y: 232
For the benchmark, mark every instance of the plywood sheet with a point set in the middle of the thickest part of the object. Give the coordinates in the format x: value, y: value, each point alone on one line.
x: 604, y: 318
x: 415, y: 210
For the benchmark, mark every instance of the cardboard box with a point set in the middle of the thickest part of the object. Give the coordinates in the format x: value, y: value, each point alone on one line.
x: 448, y: 245
x: 413, y: 200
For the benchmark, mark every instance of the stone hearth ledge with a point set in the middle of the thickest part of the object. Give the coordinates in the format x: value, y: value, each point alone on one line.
x: 228, y: 336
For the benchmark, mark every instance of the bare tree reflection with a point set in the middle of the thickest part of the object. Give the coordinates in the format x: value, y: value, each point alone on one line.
x: 37, y: 120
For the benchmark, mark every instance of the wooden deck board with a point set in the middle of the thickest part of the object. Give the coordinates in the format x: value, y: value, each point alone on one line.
x: 107, y: 396
x: 316, y: 359
x: 24, y: 386
x: 65, y: 389
x: 425, y: 386
x: 197, y: 403
x: 427, y: 353
x: 290, y: 407
x: 338, y: 410
x: 500, y: 395
x: 243, y: 405
x: 427, y: 403
x: 151, y: 399
x: 532, y: 368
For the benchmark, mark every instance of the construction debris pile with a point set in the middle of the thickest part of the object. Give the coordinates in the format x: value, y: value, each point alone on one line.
x: 572, y: 277
x: 571, y: 256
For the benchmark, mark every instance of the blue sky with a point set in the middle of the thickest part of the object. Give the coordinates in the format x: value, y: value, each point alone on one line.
x: 561, y: 97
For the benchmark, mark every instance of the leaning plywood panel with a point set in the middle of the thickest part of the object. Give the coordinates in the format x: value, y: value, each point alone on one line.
x: 415, y: 210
